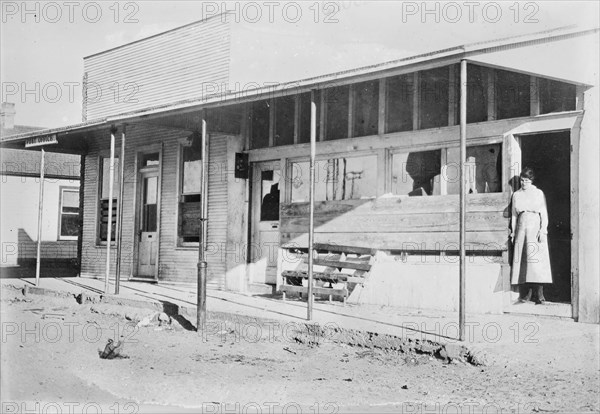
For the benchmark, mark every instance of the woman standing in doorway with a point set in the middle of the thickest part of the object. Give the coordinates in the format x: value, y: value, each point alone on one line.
x: 529, y: 224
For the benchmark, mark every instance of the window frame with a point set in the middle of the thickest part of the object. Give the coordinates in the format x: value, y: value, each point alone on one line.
x: 289, y: 170
x: 62, y: 189
x: 179, y: 243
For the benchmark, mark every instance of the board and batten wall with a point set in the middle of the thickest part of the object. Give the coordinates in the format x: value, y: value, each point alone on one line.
x: 185, y: 63
x: 176, y: 264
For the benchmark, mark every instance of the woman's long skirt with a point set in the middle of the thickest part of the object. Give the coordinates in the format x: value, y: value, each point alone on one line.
x: 531, y: 260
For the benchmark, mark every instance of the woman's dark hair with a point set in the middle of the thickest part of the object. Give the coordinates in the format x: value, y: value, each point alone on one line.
x: 527, y: 173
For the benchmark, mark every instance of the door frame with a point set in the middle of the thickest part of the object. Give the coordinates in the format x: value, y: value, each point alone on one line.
x: 573, y: 200
x: 137, y: 205
x: 255, y: 209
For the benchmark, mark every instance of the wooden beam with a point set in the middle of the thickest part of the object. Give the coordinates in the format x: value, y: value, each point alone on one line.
x: 491, y: 94
x: 416, y: 101
x: 534, y: 96
x: 381, y: 124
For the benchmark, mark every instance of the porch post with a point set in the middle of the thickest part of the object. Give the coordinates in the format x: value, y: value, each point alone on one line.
x: 463, y: 196
x: 111, y: 177
x: 40, y: 216
x: 311, y: 197
x: 119, y: 231
x: 202, y: 265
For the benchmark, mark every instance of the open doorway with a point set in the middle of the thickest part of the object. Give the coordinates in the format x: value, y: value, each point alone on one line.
x: 549, y: 155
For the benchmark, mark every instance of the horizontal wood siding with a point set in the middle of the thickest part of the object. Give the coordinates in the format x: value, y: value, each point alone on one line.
x: 180, y: 64
x: 178, y: 264
x: 401, y: 223
x: 217, y: 211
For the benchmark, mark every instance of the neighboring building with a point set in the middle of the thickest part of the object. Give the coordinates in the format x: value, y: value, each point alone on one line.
x: 385, y: 133
x: 19, y: 206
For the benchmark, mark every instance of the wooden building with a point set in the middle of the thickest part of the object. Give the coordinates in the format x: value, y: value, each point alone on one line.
x: 19, y: 207
x: 386, y: 171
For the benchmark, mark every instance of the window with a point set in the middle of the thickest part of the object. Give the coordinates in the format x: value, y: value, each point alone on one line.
x: 69, y: 214
x: 336, y: 179
x: 416, y: 173
x: 259, y: 122
x: 337, y: 101
x: 512, y: 94
x: 556, y: 96
x: 433, y: 109
x: 190, y: 192
x: 285, y: 108
x: 483, y: 169
x: 103, y: 202
x: 476, y: 94
x: 399, y: 101
x: 366, y: 108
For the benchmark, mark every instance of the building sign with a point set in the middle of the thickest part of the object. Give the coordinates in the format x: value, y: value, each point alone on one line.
x: 39, y: 141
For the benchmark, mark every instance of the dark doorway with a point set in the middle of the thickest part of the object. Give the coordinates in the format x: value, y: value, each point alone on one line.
x: 549, y: 155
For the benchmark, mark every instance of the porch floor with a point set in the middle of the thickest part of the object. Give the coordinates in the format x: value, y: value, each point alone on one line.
x: 502, y: 336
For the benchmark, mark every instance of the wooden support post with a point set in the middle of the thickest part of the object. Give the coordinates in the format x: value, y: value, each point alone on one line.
x: 119, y: 231
x: 202, y: 265
x: 463, y: 197
x: 111, y: 184
x: 311, y: 196
x: 38, y: 261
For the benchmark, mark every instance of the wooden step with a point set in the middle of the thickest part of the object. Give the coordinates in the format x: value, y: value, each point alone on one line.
x: 316, y: 290
x: 344, y: 249
x: 329, y: 277
x: 342, y: 264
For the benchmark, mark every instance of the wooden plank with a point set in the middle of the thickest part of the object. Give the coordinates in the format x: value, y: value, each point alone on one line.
x: 343, y: 265
x: 360, y: 222
x: 332, y: 277
x: 404, y: 205
x: 438, y: 241
x: 316, y: 290
x: 352, y: 249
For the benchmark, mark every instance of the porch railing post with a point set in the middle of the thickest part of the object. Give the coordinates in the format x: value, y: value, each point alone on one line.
x: 463, y: 197
x: 119, y: 230
x: 311, y: 213
x: 202, y: 265
x: 111, y: 177
x: 40, y: 217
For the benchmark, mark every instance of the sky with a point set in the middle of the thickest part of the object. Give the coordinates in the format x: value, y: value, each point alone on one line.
x: 43, y: 43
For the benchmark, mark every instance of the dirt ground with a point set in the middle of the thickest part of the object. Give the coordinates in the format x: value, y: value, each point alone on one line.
x: 50, y: 363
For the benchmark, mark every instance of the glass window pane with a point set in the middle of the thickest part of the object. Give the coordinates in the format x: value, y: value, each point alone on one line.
x: 512, y: 94
x: 285, y: 108
x: 416, y: 173
x: 366, y: 108
x: 399, y: 103
x: 69, y: 225
x: 270, y: 195
x: 556, y: 96
x: 106, y: 178
x: 150, y: 159
x: 260, y: 124
x: 476, y: 94
x: 433, y: 110
x: 336, y: 179
x: 151, y: 190
x: 336, y: 122
x: 70, y: 198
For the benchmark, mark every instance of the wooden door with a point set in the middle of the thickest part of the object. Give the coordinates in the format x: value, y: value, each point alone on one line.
x: 148, y: 225
x: 265, y: 222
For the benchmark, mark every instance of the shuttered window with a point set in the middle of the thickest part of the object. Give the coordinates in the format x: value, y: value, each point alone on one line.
x: 190, y: 197
x: 104, y: 198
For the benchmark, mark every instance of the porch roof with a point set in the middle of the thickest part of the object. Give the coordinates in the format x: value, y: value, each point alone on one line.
x: 474, y: 52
